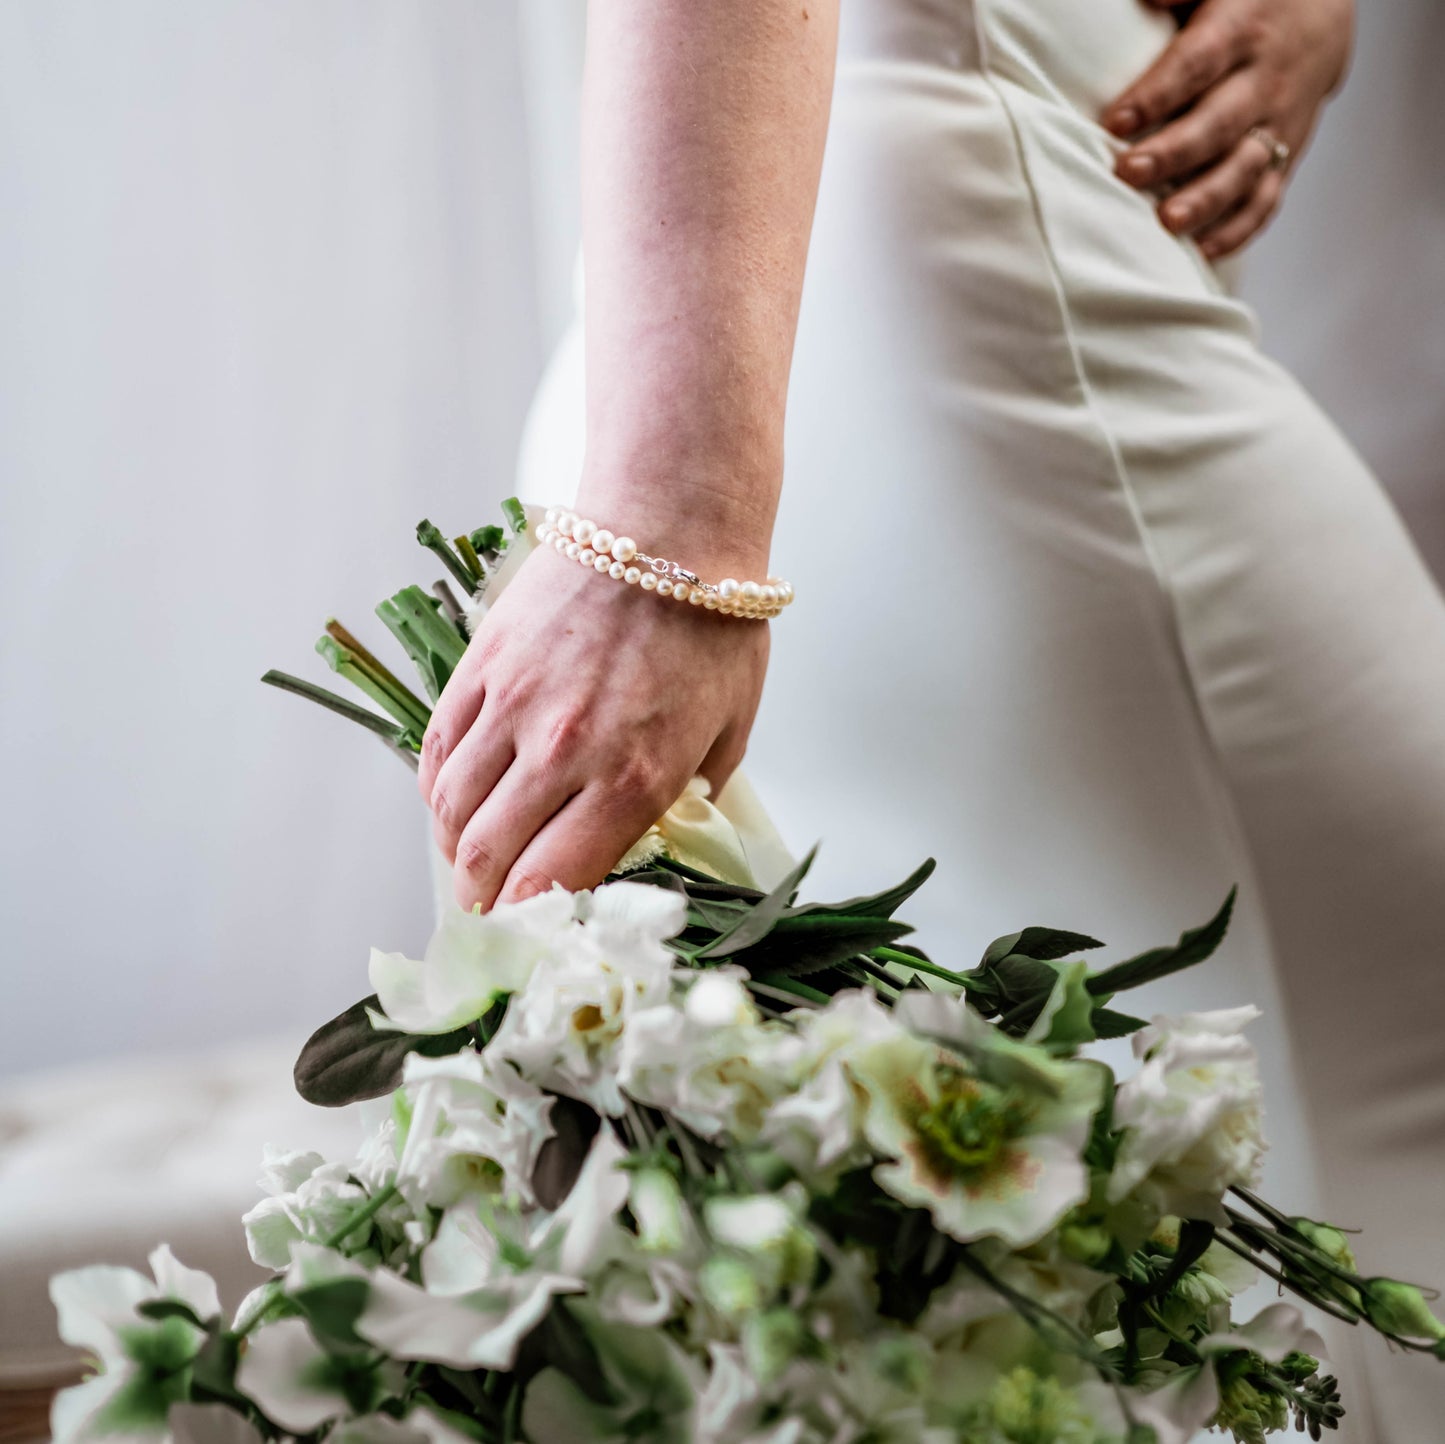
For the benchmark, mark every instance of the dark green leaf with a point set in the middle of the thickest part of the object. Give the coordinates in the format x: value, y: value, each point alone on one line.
x: 347, y: 1060
x: 760, y: 920
x: 879, y: 905
x: 1193, y: 947
x: 1047, y: 944
x: 1110, y: 1024
x: 798, y: 946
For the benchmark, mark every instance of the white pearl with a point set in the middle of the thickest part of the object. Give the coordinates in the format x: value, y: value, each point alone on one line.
x: 664, y: 588
x: 552, y: 514
x: 560, y: 542
x: 573, y: 550
x: 696, y: 597
x: 564, y: 523
x: 602, y: 539
x: 785, y: 592
x: 616, y: 571
x: 727, y: 589
x: 649, y: 582
x: 601, y: 564
x: 710, y: 602
x: 585, y: 530
x: 680, y: 590
x: 725, y: 609
x: 751, y: 592
x: 587, y: 556
x: 624, y: 549
x: 632, y: 576
x: 770, y: 596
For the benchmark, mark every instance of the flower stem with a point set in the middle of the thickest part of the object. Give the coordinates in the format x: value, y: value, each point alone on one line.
x: 362, y: 1213
x: 919, y: 965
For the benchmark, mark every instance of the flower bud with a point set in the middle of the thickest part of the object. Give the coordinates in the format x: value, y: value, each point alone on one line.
x: 1400, y: 1308
x: 771, y: 1342
x: 657, y: 1205
x: 1329, y: 1240
x: 730, y: 1286
x: 1086, y: 1243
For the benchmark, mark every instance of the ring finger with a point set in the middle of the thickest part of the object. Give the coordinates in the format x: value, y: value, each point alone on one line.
x: 1220, y: 190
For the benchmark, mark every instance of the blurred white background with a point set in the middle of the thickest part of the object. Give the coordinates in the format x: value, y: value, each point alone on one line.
x: 275, y: 281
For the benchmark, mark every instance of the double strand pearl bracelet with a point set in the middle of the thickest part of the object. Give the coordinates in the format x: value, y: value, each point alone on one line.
x: 617, y: 557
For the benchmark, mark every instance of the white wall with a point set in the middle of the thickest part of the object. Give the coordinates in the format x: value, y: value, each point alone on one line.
x: 268, y: 293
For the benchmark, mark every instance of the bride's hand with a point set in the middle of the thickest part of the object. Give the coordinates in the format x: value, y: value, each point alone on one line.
x: 1235, y: 65
x: 578, y: 715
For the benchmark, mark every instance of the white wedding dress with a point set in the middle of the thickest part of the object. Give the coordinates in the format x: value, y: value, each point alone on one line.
x: 1095, y: 606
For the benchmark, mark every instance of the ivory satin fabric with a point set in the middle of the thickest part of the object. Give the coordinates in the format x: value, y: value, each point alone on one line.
x: 1096, y: 607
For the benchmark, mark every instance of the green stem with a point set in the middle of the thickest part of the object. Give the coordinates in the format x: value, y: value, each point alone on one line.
x: 380, y: 673
x: 435, y: 542
x: 469, y: 555
x: 919, y: 965
x: 362, y: 1213
x: 343, y: 707
x: 1234, y: 1246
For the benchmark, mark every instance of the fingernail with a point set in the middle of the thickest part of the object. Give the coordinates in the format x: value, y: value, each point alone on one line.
x: 1124, y: 121
x: 1178, y: 213
x: 1138, y: 168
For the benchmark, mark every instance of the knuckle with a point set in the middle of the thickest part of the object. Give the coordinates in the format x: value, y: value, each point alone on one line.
x: 641, y: 777
x: 445, y: 809
x: 564, y: 737
x: 475, y: 857
x: 526, y: 881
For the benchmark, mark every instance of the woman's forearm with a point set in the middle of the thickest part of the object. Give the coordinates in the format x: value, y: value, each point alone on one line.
x: 703, y: 131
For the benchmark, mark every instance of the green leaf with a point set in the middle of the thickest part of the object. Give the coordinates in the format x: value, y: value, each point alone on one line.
x: 1193, y: 947
x: 1046, y: 944
x: 487, y: 541
x: 801, y: 945
x: 879, y: 905
x: 1109, y: 1024
x: 347, y: 1060
x: 760, y: 920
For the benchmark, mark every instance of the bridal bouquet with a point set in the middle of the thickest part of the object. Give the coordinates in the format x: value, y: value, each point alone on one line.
x: 684, y: 1159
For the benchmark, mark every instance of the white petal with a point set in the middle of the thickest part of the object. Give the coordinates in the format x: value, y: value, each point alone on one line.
x: 656, y: 913
x: 1276, y: 1331
x: 91, y: 1303
x: 600, y: 1191
x: 1179, y: 1410
x: 73, y: 1409
x: 278, y: 1371
x: 190, y: 1286
x: 400, y: 985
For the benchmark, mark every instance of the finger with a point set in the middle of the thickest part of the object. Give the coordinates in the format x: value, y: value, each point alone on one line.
x: 1220, y: 191
x: 1230, y: 233
x: 451, y: 720
x: 1200, y: 137
x: 582, y: 843
x: 502, y: 829
x: 1201, y: 54
x: 475, y: 766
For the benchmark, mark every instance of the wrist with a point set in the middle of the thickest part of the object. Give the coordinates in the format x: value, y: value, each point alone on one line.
x: 710, y: 518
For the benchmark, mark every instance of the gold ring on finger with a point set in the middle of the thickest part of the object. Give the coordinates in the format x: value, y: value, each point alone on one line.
x: 1279, y: 151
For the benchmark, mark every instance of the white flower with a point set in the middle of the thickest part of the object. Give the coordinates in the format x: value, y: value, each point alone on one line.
x: 475, y: 1127
x: 295, y: 1382
x: 817, y: 1125
x: 309, y: 1199
x: 563, y: 1030
x: 1191, y: 1115
x: 988, y: 1134
x: 472, y: 960
x: 712, y: 1063
x: 142, y: 1361
x: 486, y: 1285
x: 695, y: 833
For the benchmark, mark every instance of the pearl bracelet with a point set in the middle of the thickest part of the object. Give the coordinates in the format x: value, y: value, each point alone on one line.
x: 617, y: 557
